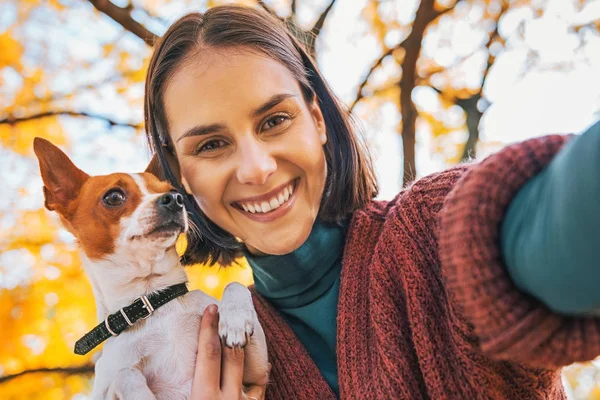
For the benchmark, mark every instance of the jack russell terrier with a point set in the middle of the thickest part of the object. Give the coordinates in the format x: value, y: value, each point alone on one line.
x: 127, y: 226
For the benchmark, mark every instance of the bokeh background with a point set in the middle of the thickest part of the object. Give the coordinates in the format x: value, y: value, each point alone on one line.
x: 432, y: 83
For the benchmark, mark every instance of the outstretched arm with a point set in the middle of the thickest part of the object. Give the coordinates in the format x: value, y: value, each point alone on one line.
x: 510, y: 322
x: 551, y: 232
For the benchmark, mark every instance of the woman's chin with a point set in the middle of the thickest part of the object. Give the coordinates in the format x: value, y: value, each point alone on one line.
x: 277, y: 246
x: 270, y: 250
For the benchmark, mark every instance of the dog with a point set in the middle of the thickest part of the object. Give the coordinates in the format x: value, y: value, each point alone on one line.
x: 127, y: 226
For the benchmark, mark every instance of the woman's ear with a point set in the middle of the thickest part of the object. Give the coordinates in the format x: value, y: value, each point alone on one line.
x: 317, y: 115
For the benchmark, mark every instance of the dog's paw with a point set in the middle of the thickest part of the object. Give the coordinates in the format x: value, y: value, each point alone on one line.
x: 236, y: 316
x: 235, y: 328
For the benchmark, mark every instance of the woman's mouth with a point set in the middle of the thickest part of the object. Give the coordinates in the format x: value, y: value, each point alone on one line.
x: 279, y: 199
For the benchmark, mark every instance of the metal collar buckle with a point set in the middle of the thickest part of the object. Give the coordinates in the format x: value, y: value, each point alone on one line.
x: 146, y: 305
x: 108, y: 327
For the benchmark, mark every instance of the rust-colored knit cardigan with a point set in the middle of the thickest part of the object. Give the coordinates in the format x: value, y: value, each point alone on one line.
x: 426, y: 309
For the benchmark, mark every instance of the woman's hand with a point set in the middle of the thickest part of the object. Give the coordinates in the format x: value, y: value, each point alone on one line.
x: 219, y: 371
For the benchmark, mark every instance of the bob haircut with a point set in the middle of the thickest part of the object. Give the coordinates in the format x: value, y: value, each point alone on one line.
x: 350, y: 181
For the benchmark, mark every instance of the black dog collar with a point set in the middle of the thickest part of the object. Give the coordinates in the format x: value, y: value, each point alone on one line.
x: 114, y: 324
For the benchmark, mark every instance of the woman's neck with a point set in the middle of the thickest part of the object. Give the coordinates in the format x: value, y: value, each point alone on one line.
x: 302, y: 276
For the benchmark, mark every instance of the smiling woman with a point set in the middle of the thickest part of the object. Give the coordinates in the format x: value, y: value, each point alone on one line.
x: 245, y: 112
x: 410, y: 298
x: 256, y: 139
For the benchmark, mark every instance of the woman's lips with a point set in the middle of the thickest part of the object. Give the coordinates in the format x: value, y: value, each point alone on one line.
x: 270, y: 206
x: 269, y: 201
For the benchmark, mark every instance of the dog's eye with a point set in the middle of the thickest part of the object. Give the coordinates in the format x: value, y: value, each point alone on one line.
x: 114, y: 198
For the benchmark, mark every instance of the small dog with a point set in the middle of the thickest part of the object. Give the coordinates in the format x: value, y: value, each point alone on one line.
x: 127, y: 226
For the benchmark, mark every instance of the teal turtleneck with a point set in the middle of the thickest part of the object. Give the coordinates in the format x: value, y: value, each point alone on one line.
x: 303, y: 287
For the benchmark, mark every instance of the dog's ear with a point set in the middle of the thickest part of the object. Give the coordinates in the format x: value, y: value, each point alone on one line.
x: 155, y: 169
x: 62, y: 179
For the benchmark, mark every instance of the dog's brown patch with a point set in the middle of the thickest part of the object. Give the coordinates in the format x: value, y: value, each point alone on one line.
x: 97, y: 225
x: 155, y: 185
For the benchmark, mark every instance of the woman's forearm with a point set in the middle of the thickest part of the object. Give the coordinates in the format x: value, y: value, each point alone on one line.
x: 551, y: 232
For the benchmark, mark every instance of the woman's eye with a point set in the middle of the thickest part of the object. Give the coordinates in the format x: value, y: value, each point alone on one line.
x: 210, y: 146
x: 114, y: 198
x: 274, y: 121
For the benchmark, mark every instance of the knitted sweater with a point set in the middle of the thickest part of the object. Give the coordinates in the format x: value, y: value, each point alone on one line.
x: 426, y: 308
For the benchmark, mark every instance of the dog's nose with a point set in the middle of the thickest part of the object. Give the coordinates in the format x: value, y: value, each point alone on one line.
x: 171, y: 201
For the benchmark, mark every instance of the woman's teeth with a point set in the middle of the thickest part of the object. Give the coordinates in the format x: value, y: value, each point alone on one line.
x: 275, y: 202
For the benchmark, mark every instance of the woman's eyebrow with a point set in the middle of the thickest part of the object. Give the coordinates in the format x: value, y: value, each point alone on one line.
x: 272, y: 102
x: 200, y: 130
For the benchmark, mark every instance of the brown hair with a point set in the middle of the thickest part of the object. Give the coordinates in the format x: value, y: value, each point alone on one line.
x: 350, y: 181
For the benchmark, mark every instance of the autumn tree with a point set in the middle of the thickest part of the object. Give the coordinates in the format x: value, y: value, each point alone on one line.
x: 431, y: 55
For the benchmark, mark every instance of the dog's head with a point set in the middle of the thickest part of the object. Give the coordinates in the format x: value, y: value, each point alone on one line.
x: 112, y: 216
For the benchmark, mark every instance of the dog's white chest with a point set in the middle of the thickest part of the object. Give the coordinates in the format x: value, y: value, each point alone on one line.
x: 163, y: 347
x: 156, y: 358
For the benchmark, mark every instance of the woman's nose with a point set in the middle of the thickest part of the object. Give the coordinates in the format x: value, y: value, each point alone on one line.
x: 256, y: 164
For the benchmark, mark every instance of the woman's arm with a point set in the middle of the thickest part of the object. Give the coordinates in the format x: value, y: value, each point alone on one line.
x: 509, y: 323
x: 551, y: 232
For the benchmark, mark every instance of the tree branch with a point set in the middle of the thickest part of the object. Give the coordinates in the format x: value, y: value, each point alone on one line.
x: 316, y: 29
x: 469, y: 105
x: 442, y: 94
x: 385, y: 88
x: 309, y: 37
x: 293, y: 7
x: 359, y: 96
x: 376, y: 64
x: 122, y: 15
x: 490, y: 60
x: 424, y: 78
x: 111, y: 122
x: 83, y: 369
x: 268, y: 9
x: 445, y: 11
x: 153, y: 16
x: 77, y: 90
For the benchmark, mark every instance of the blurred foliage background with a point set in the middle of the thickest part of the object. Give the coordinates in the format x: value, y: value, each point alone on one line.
x: 432, y: 82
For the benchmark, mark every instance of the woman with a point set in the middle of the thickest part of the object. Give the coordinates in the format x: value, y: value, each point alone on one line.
x: 443, y: 292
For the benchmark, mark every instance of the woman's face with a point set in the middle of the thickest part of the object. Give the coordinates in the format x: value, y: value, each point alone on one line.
x: 249, y: 147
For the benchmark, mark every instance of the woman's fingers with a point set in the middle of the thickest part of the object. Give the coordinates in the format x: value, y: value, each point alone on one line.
x: 207, y: 375
x: 233, y: 371
x: 256, y: 392
x: 219, y: 370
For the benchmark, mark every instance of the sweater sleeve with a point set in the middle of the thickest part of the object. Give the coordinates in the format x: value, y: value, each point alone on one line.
x: 552, y: 229
x: 510, y: 324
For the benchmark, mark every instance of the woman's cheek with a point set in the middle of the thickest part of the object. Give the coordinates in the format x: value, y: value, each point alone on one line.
x: 192, y: 181
x: 206, y: 188
x: 186, y: 178
x: 186, y: 185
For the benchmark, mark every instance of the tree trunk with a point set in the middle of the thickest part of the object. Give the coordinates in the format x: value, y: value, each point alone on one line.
x: 412, y: 46
x: 473, y: 119
x: 409, y: 121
